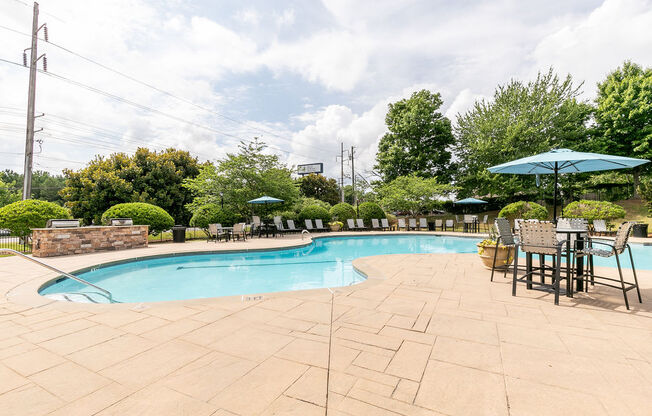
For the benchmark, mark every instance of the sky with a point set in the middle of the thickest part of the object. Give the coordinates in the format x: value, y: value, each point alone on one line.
x: 304, y: 76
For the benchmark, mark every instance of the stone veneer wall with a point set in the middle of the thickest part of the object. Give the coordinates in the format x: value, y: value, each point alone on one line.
x: 49, y: 242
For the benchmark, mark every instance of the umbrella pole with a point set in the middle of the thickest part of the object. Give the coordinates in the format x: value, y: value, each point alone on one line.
x: 554, y: 204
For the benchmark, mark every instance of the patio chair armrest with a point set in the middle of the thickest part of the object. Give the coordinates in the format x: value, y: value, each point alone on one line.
x: 603, y: 243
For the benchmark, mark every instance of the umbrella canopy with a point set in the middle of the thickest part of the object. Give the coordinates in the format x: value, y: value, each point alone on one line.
x: 470, y: 201
x: 265, y: 200
x: 559, y: 161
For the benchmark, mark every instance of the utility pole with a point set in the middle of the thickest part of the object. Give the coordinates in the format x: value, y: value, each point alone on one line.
x: 352, y: 156
x: 31, y: 100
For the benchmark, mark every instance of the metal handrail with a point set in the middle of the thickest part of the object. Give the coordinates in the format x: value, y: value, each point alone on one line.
x: 303, y: 232
x: 68, y: 275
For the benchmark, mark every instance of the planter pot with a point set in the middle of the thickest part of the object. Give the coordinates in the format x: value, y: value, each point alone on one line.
x: 504, y: 258
x: 335, y: 227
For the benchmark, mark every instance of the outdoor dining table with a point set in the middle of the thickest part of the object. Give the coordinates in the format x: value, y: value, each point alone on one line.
x: 472, y: 227
x: 579, y: 245
x: 267, y: 229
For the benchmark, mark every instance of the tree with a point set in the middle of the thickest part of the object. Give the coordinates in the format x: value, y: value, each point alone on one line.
x: 45, y: 186
x: 319, y: 187
x: 624, y: 114
x: 8, y: 194
x: 150, y: 177
x: 521, y: 120
x: 413, y: 193
x: 418, y: 140
x: 241, y: 177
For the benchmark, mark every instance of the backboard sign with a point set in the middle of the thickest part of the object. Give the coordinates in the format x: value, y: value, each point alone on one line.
x: 310, y: 168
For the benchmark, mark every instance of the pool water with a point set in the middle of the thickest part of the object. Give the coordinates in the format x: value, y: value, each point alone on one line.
x: 326, y: 262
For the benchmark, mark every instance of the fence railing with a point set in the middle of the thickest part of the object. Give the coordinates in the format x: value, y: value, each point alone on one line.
x: 191, y: 234
x: 21, y: 244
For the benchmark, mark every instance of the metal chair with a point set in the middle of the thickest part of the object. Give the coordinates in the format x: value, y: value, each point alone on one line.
x: 384, y: 223
x: 375, y: 225
x: 608, y: 249
x: 539, y: 238
x: 449, y: 224
x: 359, y: 222
x: 506, y: 238
x: 412, y: 224
x: 439, y: 224
x: 239, y: 231
x: 423, y: 224
x: 485, y: 223
x: 401, y: 224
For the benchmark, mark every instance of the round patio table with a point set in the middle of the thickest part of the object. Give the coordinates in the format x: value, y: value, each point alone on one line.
x: 267, y: 229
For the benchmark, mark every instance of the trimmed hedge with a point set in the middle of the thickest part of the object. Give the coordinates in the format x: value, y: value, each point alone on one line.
x: 342, y: 212
x: 369, y: 210
x: 305, y: 202
x: 594, y: 210
x: 19, y: 217
x: 212, y: 214
x: 142, y: 214
x: 524, y: 210
x: 288, y: 215
x: 313, y: 212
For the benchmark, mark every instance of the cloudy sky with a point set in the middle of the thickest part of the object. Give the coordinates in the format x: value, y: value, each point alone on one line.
x: 303, y: 75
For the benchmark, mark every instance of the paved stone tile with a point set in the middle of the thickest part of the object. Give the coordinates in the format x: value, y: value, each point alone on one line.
x: 368, y: 338
x: 156, y: 401
x: 9, y: 379
x: 287, y: 406
x: 402, y: 306
x: 372, y: 361
x: 111, y: 352
x: 467, y: 353
x: 29, y: 400
x: 534, y: 337
x: 172, y: 330
x: 82, y: 339
x: 117, y: 318
x: 56, y: 331
x: 33, y: 361
x: 463, y: 328
x: 315, y: 353
x: 410, y: 361
x: 144, y: 325
x: 408, y: 334
x: 93, y: 402
x: 252, y: 343
x: 69, y: 381
x: 406, y: 391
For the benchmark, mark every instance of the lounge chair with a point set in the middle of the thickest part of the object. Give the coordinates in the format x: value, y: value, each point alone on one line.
x: 308, y: 224
x: 278, y: 219
x: 401, y: 224
x: 319, y: 225
x: 375, y: 225
x: 412, y: 224
x: 291, y: 228
x: 239, y: 231
x: 485, y: 223
x: 600, y: 227
x: 384, y: 223
x: 360, y: 224
x: 449, y: 224
x: 423, y: 224
x: 439, y: 224
x: 280, y: 229
x: 351, y: 224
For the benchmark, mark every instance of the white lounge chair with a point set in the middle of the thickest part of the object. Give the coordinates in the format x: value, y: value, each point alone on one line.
x: 423, y: 224
x: 360, y: 224
x: 401, y: 224
x: 309, y: 226
x: 385, y: 224
x: 412, y: 224
x: 351, y: 224
x: 319, y: 225
x: 375, y: 225
x: 439, y: 224
x: 449, y: 224
x: 600, y: 227
x: 291, y: 228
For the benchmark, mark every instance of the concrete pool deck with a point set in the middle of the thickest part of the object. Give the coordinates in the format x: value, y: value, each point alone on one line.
x: 427, y: 334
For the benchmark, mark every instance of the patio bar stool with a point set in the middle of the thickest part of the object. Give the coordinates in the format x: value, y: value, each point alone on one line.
x: 505, y: 238
x: 539, y: 238
x: 608, y: 248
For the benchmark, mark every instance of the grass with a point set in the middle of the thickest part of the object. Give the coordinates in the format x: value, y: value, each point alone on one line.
x: 167, y: 236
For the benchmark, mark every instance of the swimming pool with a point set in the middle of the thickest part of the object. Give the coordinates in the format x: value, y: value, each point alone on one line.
x: 326, y: 262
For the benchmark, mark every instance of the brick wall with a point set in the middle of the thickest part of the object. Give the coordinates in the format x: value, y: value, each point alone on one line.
x: 49, y: 242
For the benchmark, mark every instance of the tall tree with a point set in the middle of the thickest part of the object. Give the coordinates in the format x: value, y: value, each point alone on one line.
x: 320, y: 187
x: 146, y: 176
x: 8, y: 194
x: 624, y: 114
x: 412, y: 193
x: 418, y: 141
x: 241, y: 177
x: 521, y: 120
x: 45, y: 186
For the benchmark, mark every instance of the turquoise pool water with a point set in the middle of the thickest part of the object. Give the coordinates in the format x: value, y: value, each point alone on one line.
x: 324, y: 263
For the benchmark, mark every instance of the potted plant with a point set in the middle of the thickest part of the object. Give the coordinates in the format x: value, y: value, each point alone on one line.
x: 336, y: 225
x: 487, y: 250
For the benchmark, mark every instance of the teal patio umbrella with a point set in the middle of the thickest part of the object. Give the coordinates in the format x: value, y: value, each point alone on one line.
x: 559, y: 161
x: 265, y: 200
x: 470, y: 201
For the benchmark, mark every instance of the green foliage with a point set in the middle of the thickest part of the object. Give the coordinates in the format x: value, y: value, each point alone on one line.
x: 150, y: 177
x: 241, y: 177
x: 314, y: 212
x: 593, y: 210
x: 418, y: 140
x: 19, y: 217
x: 523, y: 210
x: 45, y: 186
x: 142, y: 214
x: 342, y: 212
x: 212, y: 214
x: 645, y: 191
x: 369, y: 210
x: 413, y: 193
x: 8, y: 194
x: 288, y: 215
x: 306, y: 202
x: 319, y: 187
x: 521, y: 120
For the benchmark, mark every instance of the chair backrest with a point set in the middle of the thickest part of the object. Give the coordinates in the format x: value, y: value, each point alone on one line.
x: 277, y: 219
x: 504, y: 231
x: 538, y: 237
x: 319, y: 223
x: 212, y: 229
x: 359, y: 223
x: 600, y: 226
x: 219, y: 227
x: 308, y: 223
x: 384, y: 222
x: 256, y: 220
x: 622, y: 236
x: 291, y: 225
x: 401, y: 223
x: 350, y: 223
x: 485, y: 219
x: 374, y: 223
x: 412, y: 222
x: 468, y: 219
x: 517, y: 223
x: 439, y: 223
x: 423, y: 223
x: 449, y: 223
x: 239, y: 227
x: 457, y: 218
x: 279, y: 225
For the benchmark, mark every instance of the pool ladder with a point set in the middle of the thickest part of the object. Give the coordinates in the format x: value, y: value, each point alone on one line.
x: 106, y: 293
x: 304, y: 232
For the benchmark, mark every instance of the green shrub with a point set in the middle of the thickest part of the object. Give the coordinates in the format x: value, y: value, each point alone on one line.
x: 142, y: 214
x: 288, y: 215
x: 342, y: 212
x: 306, y: 202
x: 391, y: 218
x: 525, y: 210
x: 314, y: 212
x: 645, y: 191
x: 20, y: 216
x: 594, y: 210
x: 369, y: 210
x: 212, y: 214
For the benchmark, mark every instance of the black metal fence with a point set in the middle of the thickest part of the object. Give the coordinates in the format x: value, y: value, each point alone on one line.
x: 191, y: 234
x: 22, y: 244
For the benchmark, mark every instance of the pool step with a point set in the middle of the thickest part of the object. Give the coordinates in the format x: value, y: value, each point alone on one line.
x: 78, y: 297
